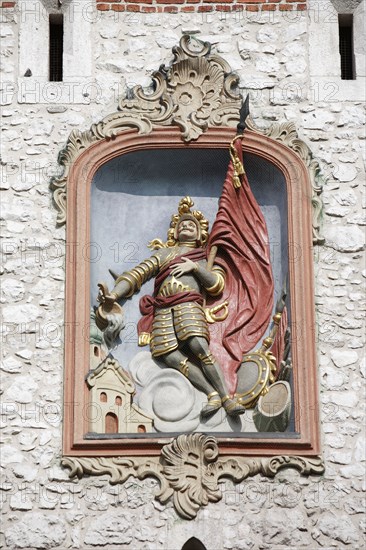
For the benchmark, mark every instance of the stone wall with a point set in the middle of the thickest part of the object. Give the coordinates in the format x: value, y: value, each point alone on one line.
x: 42, y: 508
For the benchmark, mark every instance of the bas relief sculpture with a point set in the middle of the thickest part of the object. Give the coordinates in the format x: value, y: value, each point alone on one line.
x: 218, y: 359
x: 174, y: 319
x: 198, y: 378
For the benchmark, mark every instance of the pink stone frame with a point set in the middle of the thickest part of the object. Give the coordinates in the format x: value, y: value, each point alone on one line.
x: 77, y: 309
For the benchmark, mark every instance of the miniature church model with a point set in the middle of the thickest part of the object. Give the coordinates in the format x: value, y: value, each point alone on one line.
x: 111, y: 392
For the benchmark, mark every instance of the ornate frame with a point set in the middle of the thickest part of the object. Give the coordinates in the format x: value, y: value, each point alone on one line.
x: 194, y: 101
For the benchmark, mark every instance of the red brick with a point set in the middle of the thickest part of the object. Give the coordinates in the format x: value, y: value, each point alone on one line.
x: 274, y: 1
x: 7, y: 5
x: 108, y: 1
x: 237, y: 7
x: 118, y: 7
x: 140, y: 1
x: 170, y: 2
x: 301, y: 7
x: 170, y: 9
x: 188, y: 9
x: 251, y: 1
x: 219, y: 1
x: 148, y: 9
x: 193, y: 1
x: 203, y: 9
x: 223, y: 8
x: 133, y: 8
x: 289, y: 1
x: 252, y: 8
x: 103, y: 7
x: 268, y: 7
x: 285, y: 7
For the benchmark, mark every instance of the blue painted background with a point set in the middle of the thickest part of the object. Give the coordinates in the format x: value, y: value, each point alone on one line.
x: 134, y: 196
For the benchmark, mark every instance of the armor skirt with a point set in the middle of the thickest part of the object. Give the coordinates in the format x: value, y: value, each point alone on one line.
x: 176, y: 324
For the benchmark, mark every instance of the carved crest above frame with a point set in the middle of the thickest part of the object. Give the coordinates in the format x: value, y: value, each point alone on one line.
x: 197, y: 91
x: 193, y: 104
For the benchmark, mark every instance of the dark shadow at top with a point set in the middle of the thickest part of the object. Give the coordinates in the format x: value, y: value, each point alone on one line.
x: 193, y: 544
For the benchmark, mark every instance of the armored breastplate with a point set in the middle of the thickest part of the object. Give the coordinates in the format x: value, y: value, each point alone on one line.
x: 172, y: 286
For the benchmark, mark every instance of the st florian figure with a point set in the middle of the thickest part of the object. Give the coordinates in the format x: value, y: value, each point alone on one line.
x: 202, y: 279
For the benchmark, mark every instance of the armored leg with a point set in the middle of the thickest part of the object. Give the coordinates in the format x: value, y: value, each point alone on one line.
x: 177, y: 360
x: 199, y: 347
x: 213, y: 373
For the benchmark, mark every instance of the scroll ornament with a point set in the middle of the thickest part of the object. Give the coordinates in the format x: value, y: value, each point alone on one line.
x: 197, y: 91
x: 189, y: 470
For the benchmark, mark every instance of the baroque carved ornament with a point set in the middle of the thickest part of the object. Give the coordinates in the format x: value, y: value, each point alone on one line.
x: 189, y: 470
x: 197, y: 91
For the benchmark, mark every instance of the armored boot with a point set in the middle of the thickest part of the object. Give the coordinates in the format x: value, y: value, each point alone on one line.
x: 213, y: 373
x: 213, y: 404
x: 198, y: 379
x: 232, y: 406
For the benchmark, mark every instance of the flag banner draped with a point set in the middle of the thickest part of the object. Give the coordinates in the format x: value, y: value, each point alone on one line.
x: 241, y: 237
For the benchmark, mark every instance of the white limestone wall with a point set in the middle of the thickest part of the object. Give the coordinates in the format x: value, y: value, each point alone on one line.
x: 42, y: 508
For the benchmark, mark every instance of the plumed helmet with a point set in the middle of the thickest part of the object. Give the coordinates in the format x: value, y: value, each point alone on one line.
x: 185, y: 213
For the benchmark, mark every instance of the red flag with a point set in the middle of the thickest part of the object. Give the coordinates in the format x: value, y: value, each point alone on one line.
x: 241, y: 235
